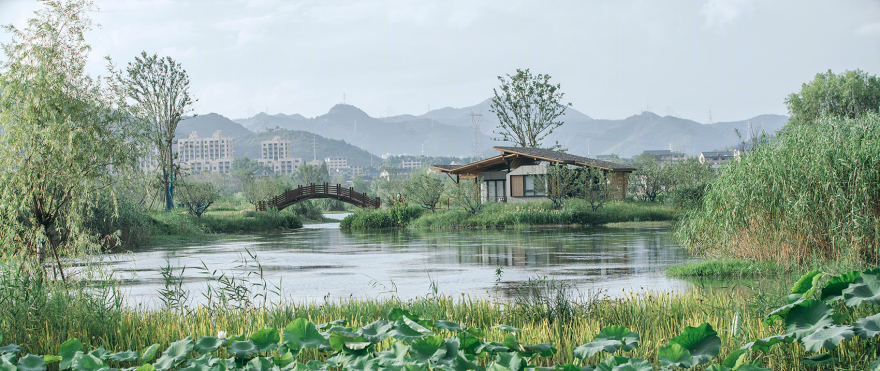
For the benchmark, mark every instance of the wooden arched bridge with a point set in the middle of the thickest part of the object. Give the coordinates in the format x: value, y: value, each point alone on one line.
x: 337, y: 192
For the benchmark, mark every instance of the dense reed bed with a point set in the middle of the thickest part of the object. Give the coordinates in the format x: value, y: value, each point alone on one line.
x: 815, y: 193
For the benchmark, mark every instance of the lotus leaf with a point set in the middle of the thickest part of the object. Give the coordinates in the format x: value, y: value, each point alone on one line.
x: 196, y: 367
x: 610, y: 339
x: 146, y: 367
x: 702, y: 342
x: 735, y: 358
x: 207, y: 344
x: 31, y: 362
x: 781, y: 312
x: 833, y: 290
x: 396, y: 355
x: 496, y: 347
x: 676, y: 355
x: 86, y: 362
x: 447, y: 325
x: 463, y: 362
x: 470, y: 344
x: 283, y: 361
x: 67, y: 350
x: 204, y: 359
x: 407, y: 330
x: 874, y: 366
x: 510, y: 361
x: 634, y: 364
x: 808, y: 317
x: 6, y: 364
x: 819, y: 360
x: 241, y: 349
x: 260, y: 364
x: 11, y: 348
x: 350, y: 341
x: 364, y: 364
x: 375, y: 332
x: 452, y: 345
x: 609, y: 363
x: 100, y: 353
x: 805, y: 286
x: 828, y: 338
x: 397, y: 313
x: 176, y: 353
x: 764, y: 345
x: 51, y: 359
x: 866, y: 289
x: 302, y: 334
x: 266, y: 339
x: 718, y: 368
x: 147, y: 355
x: 339, y: 322
x: 507, y: 328
x: 429, y: 348
x: 126, y: 356
x: 747, y: 367
x: 867, y: 327
x: 295, y: 366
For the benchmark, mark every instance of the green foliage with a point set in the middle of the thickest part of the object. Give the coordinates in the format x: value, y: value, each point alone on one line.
x: 61, y: 137
x: 561, y: 182
x: 815, y: 192
x: 527, y: 107
x: 263, y: 189
x: 311, y: 174
x: 397, y: 216
x: 851, y: 94
x: 197, y: 196
x: 424, y: 189
x: 726, y: 268
x: 117, y: 220
x: 650, y: 180
x: 243, y: 168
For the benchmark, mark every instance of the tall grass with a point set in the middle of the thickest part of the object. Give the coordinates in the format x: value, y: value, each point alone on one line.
x: 813, y: 194
x: 574, y: 211
x: 176, y: 223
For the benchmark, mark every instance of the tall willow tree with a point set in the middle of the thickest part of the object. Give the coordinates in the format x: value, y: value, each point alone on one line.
x: 160, y: 89
x: 61, y: 141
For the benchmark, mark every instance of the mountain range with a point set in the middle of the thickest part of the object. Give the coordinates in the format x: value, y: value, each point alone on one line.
x: 451, y: 132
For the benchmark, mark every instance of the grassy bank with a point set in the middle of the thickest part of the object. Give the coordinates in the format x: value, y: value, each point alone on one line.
x: 179, y: 224
x: 575, y: 212
x: 656, y: 317
x: 729, y: 268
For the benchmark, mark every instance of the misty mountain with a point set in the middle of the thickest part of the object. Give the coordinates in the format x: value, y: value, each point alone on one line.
x: 206, y: 125
x: 395, y: 135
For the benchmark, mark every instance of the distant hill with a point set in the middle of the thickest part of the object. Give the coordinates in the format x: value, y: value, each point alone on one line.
x: 206, y: 125
x: 402, y: 134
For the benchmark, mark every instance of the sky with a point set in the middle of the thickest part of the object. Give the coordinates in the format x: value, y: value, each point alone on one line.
x: 708, y: 61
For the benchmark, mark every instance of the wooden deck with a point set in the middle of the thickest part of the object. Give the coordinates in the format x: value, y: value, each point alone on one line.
x: 325, y: 190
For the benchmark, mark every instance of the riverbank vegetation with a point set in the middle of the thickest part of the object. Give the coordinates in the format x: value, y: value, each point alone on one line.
x: 495, y: 215
x: 729, y: 268
x: 728, y: 327
x: 812, y: 194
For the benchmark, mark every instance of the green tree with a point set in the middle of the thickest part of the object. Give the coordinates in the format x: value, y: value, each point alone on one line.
x: 391, y: 189
x: 527, y: 107
x: 311, y: 174
x: 650, y: 180
x: 469, y: 197
x: 424, y: 189
x: 159, y: 88
x: 243, y: 168
x: 850, y: 94
x: 62, y: 140
x: 559, y: 183
x: 197, y: 196
x: 595, y: 187
x: 689, y: 181
x: 263, y: 189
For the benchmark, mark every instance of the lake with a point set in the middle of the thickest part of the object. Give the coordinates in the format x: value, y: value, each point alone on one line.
x: 320, y: 262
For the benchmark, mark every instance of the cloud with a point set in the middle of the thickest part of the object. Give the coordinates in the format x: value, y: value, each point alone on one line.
x: 721, y: 13
x: 870, y: 29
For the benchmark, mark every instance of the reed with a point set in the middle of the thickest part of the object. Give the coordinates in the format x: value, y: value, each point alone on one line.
x: 815, y: 193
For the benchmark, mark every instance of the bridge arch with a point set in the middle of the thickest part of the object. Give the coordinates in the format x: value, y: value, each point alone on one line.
x: 302, y: 193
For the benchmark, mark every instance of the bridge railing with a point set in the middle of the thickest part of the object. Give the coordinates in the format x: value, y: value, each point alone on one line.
x: 325, y: 190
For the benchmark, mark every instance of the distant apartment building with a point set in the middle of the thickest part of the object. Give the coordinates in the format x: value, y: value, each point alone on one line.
x: 212, y: 154
x: 276, y: 154
x: 410, y: 163
x: 150, y: 160
x: 716, y: 158
x: 336, y: 164
x: 665, y: 156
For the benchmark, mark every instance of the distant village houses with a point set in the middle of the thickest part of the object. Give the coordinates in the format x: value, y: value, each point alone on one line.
x: 665, y: 156
x: 716, y: 158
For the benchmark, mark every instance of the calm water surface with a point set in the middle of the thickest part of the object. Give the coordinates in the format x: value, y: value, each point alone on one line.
x: 321, y: 261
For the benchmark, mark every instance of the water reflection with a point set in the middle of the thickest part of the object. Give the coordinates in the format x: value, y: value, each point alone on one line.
x: 322, y: 261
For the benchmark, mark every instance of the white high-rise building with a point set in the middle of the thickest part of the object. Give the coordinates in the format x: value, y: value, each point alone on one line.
x: 212, y: 154
x: 336, y: 164
x: 276, y: 154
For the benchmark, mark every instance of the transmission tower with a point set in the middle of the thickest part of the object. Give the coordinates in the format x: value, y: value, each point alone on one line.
x: 476, y: 146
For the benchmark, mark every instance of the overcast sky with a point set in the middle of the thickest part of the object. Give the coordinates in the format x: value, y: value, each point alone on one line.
x: 733, y: 58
